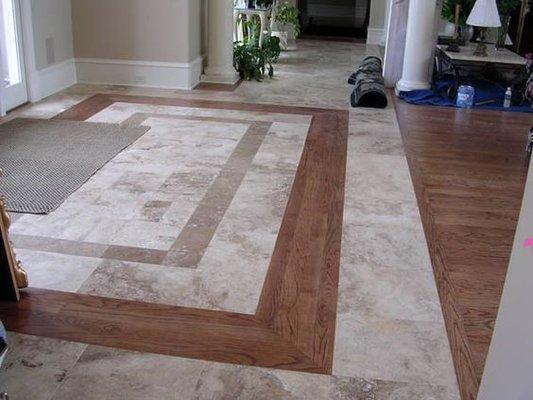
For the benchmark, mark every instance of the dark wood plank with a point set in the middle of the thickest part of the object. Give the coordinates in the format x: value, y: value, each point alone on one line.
x: 8, y: 284
x: 185, y: 332
x: 218, y: 87
x: 86, y: 108
x: 469, y: 177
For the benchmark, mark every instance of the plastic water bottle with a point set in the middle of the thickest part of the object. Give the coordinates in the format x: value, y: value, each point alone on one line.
x: 507, y: 101
x: 465, y: 96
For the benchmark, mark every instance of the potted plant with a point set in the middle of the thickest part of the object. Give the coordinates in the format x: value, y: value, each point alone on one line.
x: 448, y: 14
x: 505, y: 8
x: 287, y: 25
x: 263, y: 3
x: 252, y: 61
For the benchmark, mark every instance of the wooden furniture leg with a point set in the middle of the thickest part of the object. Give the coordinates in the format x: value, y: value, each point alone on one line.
x: 263, y: 18
x: 12, y: 275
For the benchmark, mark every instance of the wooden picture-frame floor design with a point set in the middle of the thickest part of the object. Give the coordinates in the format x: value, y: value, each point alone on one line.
x: 294, y: 324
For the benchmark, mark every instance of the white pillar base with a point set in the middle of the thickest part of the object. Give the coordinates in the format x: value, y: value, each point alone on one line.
x: 420, y: 42
x: 229, y: 78
x: 220, y: 44
x: 404, y: 85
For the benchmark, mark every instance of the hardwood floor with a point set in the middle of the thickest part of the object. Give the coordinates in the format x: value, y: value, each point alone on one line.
x: 469, y: 173
x: 294, y: 327
x: 218, y: 87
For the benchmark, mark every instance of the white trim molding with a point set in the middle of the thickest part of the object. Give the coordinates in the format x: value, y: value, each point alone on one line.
x: 376, y: 36
x: 156, y: 74
x: 52, y: 79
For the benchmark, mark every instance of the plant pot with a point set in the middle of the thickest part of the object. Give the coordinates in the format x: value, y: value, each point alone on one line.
x: 287, y: 36
x: 466, y: 34
x: 448, y: 28
x: 502, y: 32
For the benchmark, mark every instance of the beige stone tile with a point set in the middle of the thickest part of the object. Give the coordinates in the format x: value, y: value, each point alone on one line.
x: 103, y: 373
x: 112, y: 374
x: 378, y: 185
x: 393, y: 350
x: 244, y: 241
x: 35, y: 367
x: 61, y: 246
x: 119, y: 112
x: 374, y: 292
x: 282, y: 147
x: 142, y: 282
x: 220, y: 381
x: 57, y: 271
x: 64, y: 223
x: 145, y: 234
x: 49, y: 106
x: 395, y: 243
x: 376, y: 144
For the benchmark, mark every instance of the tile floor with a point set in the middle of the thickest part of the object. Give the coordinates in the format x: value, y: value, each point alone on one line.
x: 390, y: 339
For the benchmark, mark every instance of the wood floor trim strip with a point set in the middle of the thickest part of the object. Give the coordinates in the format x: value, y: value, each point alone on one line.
x: 218, y: 87
x: 468, y: 178
x: 294, y: 327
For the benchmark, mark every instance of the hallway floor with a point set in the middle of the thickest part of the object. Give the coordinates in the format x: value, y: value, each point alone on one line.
x: 226, y: 254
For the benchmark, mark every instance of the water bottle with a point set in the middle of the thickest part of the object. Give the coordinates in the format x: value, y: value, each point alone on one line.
x: 465, y: 96
x: 507, y: 100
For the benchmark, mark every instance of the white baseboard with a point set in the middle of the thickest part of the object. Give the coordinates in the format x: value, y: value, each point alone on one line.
x: 140, y: 73
x: 375, y: 36
x: 52, y: 79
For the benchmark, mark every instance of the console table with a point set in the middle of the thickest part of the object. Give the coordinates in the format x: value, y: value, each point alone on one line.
x: 263, y: 13
x: 503, y: 59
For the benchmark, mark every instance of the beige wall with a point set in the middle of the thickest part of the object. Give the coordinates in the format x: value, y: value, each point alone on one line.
x: 141, y: 30
x: 377, y: 14
x: 52, y: 24
x: 195, y: 29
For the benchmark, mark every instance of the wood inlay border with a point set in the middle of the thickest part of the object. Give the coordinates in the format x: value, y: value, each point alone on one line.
x: 218, y: 87
x: 294, y: 326
x: 469, y: 178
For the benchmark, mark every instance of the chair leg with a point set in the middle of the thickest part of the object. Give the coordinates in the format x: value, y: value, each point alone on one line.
x: 262, y: 17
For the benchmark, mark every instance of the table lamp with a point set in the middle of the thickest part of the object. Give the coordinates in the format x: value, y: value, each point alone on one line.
x: 484, y: 15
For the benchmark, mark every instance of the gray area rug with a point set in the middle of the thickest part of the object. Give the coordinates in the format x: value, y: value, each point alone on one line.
x: 44, y: 161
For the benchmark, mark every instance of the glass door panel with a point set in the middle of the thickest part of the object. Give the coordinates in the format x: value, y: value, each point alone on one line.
x: 12, y: 77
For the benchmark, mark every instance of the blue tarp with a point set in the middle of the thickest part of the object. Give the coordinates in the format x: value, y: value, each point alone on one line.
x: 4, y: 339
x: 437, y: 96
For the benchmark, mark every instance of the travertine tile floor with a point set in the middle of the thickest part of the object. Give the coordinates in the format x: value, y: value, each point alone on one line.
x: 390, y: 339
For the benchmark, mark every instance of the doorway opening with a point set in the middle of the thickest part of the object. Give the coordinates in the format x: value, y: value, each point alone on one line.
x: 12, y: 72
x: 335, y: 18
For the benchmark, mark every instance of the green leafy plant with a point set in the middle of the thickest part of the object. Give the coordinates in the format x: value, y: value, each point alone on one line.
x: 287, y: 14
x: 448, y: 10
x: 264, y: 3
x: 506, y: 7
x: 251, y: 60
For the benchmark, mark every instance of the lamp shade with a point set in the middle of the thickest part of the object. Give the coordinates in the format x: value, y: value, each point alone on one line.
x: 484, y: 14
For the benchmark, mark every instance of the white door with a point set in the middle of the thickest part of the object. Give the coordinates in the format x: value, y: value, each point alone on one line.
x: 12, y: 75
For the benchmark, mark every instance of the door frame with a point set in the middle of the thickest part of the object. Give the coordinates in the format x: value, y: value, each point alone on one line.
x: 12, y: 275
x: 8, y: 283
x: 18, y: 91
x: 28, y: 46
x: 28, y: 52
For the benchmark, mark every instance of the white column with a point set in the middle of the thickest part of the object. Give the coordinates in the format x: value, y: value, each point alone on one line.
x: 2, y: 59
x: 220, y: 43
x: 509, y: 366
x: 419, y: 46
